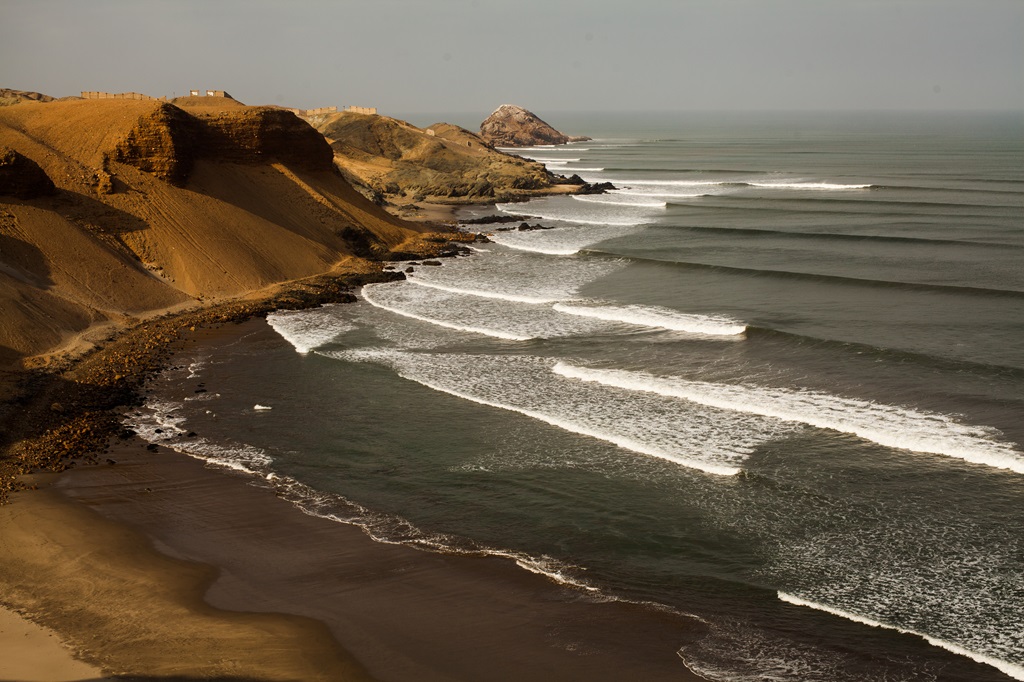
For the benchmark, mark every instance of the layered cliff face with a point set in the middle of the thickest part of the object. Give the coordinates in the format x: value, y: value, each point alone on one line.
x: 158, y: 207
x: 513, y: 126
x: 442, y: 163
x: 167, y: 141
x: 162, y: 143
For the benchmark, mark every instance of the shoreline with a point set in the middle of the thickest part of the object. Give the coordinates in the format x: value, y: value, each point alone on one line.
x: 395, y: 612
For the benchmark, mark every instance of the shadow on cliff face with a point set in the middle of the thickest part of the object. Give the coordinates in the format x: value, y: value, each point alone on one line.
x: 92, y: 214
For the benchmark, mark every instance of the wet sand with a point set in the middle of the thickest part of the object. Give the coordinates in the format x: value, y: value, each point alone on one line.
x: 400, y: 613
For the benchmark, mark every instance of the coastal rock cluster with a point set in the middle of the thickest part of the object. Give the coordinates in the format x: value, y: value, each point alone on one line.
x: 167, y: 141
x: 442, y: 163
x: 514, y: 126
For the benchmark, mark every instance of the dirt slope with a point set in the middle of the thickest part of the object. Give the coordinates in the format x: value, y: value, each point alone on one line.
x: 159, y: 206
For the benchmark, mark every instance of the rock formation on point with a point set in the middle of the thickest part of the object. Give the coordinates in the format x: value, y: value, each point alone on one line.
x: 513, y: 126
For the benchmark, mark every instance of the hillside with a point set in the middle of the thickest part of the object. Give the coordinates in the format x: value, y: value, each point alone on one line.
x: 159, y: 206
x: 440, y: 164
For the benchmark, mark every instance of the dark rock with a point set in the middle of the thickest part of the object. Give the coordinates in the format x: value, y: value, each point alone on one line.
x: 491, y: 219
x: 432, y: 262
x: 513, y: 126
x: 596, y: 188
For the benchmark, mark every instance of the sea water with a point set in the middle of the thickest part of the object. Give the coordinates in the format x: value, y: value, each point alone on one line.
x: 773, y: 380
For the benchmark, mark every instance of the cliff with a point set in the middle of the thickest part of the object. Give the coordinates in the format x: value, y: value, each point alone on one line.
x: 156, y: 206
x: 513, y: 126
x: 443, y: 163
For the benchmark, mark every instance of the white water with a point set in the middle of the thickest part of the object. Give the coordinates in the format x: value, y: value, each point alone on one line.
x: 531, y: 300
x: 693, y: 436
x: 378, y: 302
x: 656, y: 317
x: 308, y: 329
x: 1011, y: 669
x: 597, y: 199
x: 888, y: 425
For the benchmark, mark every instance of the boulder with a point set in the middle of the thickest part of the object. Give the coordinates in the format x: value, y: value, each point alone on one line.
x: 513, y: 126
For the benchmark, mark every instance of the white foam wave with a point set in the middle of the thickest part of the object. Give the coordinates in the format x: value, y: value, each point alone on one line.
x: 693, y: 436
x: 1013, y: 670
x: 572, y: 427
x: 565, y: 160
x: 538, y: 248
x: 667, y: 195
x: 595, y: 200
x: 161, y: 422
x: 531, y: 300
x: 583, y: 170
x: 368, y: 297
x: 548, y: 215
x: 807, y: 185
x: 308, y: 329
x: 677, y: 183
x: 195, y: 367
x: 888, y: 425
x: 655, y: 316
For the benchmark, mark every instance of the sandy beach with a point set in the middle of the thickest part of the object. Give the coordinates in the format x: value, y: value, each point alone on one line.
x: 161, y: 565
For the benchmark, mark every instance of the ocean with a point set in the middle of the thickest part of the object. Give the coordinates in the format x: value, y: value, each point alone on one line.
x: 774, y: 381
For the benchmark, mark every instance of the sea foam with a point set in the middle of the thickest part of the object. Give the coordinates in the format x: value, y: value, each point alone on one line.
x: 469, y: 291
x: 369, y: 297
x: 1013, y: 670
x: 888, y: 425
x: 692, y: 436
x: 656, y: 317
x: 308, y: 329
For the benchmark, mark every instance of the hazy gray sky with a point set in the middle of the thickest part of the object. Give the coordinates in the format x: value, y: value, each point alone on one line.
x: 547, y: 55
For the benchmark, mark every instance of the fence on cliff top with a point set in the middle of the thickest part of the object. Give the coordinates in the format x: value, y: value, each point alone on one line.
x: 93, y: 94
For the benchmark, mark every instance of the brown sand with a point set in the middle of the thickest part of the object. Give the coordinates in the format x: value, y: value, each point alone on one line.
x: 30, y: 653
x: 131, y: 610
x: 403, y: 614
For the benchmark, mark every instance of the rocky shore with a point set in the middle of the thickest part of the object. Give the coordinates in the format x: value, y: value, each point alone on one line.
x: 69, y: 412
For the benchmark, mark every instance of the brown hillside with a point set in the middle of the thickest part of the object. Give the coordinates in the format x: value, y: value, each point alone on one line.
x: 256, y: 201
x: 441, y: 164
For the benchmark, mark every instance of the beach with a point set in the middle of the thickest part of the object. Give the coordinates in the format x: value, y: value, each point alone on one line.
x: 160, y: 565
x: 148, y: 562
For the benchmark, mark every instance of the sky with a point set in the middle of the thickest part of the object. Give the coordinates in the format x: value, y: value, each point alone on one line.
x: 546, y: 55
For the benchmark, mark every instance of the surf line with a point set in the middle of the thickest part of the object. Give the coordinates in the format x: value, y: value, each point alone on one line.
x: 1014, y: 671
x: 887, y: 425
x: 516, y: 298
x: 620, y: 441
x: 447, y: 325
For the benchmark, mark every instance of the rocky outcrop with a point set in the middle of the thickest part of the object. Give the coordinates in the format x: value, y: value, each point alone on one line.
x: 22, y: 177
x: 443, y: 163
x: 168, y: 141
x: 256, y: 135
x: 513, y: 126
x: 163, y: 143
